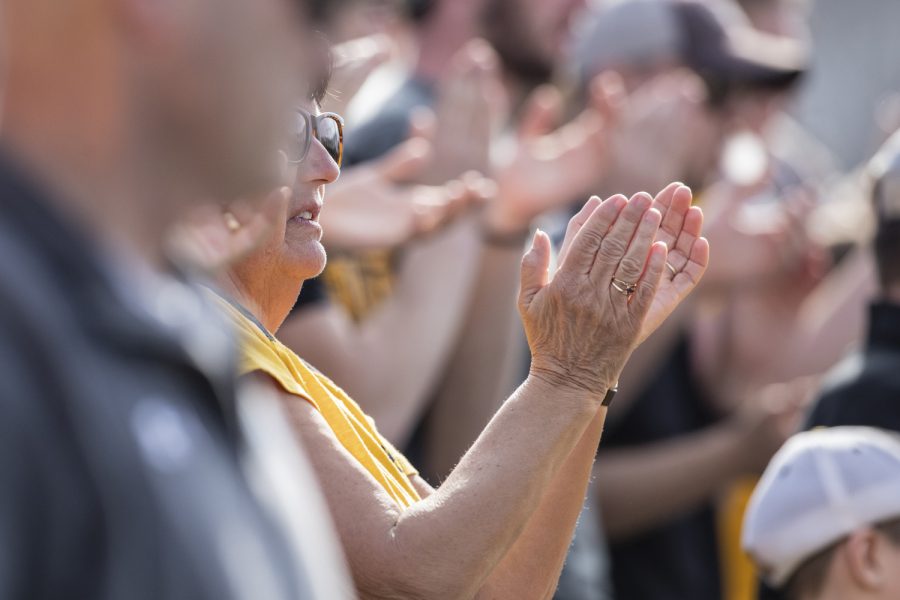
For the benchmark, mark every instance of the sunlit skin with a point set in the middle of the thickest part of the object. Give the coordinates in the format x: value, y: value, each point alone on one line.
x: 292, y: 251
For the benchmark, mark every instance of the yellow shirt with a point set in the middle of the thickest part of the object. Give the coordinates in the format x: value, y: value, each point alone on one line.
x: 739, y: 577
x: 260, y: 351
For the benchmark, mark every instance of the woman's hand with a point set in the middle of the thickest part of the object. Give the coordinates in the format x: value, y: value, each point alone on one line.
x: 681, y: 228
x: 581, y: 328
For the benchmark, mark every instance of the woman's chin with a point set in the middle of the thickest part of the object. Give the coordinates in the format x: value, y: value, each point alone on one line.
x: 308, y: 259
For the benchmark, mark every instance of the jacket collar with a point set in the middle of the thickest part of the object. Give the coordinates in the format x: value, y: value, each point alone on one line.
x: 884, y: 325
x: 76, y: 265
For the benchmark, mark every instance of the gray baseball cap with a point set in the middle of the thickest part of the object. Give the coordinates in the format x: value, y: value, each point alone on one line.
x: 713, y: 39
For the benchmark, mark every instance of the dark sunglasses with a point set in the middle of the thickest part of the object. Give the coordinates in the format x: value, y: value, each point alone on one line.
x: 327, y: 128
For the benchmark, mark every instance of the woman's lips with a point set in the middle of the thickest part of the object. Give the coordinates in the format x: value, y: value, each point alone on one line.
x: 310, y: 213
x: 303, y: 223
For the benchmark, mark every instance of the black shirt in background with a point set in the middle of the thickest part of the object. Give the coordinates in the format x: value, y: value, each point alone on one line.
x: 679, y: 559
x: 312, y: 293
x: 388, y: 128
x: 864, y: 389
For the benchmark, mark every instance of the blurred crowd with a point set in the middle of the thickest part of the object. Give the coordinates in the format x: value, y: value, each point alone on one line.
x: 450, y: 299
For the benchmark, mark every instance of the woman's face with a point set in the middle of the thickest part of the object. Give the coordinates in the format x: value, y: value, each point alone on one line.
x: 302, y: 242
x: 293, y: 249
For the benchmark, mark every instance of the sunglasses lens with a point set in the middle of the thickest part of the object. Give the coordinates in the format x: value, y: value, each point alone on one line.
x: 298, y: 141
x: 329, y: 135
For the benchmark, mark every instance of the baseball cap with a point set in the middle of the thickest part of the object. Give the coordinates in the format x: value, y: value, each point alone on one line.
x: 820, y: 487
x: 713, y: 39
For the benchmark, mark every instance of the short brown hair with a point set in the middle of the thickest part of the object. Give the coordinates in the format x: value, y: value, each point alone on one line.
x: 809, y: 578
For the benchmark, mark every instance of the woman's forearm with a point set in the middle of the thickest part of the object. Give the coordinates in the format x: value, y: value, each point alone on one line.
x: 536, y: 559
x: 466, y: 528
x: 448, y: 544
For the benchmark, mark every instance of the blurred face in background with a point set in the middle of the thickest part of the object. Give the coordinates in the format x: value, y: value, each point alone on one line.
x: 709, y: 130
x: 218, y: 83
x: 530, y: 35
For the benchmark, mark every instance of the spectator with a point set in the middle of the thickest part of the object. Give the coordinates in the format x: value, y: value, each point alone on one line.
x: 863, y: 390
x: 824, y: 521
x: 124, y: 471
x: 511, y: 503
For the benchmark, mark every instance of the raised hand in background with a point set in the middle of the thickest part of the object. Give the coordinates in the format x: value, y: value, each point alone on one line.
x: 546, y: 166
x: 468, y: 110
x: 374, y: 206
x: 354, y: 62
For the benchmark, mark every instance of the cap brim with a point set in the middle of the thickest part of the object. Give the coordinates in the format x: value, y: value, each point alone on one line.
x: 757, y: 59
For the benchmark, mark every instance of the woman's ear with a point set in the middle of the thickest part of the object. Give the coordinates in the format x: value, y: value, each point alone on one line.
x: 866, y: 557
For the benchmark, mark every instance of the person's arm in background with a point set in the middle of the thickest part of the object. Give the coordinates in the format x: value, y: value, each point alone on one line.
x: 549, y: 165
x: 640, y: 488
x: 389, y: 361
x: 486, y: 363
x: 832, y: 319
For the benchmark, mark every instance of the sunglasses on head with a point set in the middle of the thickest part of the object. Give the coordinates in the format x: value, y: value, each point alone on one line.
x: 327, y: 128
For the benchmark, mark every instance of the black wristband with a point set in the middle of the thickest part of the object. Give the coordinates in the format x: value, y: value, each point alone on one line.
x: 610, y: 394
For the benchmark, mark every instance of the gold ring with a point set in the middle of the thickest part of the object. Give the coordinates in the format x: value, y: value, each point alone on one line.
x: 231, y: 222
x: 623, y: 287
x: 672, y: 269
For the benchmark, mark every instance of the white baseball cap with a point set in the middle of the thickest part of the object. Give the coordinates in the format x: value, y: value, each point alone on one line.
x: 820, y: 487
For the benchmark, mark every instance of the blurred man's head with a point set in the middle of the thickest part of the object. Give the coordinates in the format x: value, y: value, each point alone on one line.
x: 197, y: 91
x: 885, y: 172
x: 529, y: 35
x: 824, y: 521
x: 745, y: 73
x: 642, y: 38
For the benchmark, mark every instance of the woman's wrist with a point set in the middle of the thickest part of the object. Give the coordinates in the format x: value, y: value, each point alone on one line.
x: 565, y: 389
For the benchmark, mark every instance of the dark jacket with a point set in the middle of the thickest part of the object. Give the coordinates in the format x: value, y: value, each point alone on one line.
x: 865, y: 388
x: 119, y: 457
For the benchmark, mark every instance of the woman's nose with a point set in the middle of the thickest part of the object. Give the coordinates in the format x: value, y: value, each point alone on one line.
x: 319, y: 166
